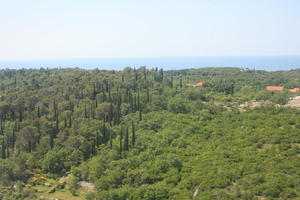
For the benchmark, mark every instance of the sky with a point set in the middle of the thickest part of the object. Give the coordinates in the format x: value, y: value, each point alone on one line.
x: 64, y: 29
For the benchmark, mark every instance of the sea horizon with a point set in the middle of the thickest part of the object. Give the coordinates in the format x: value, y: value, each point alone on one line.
x: 267, y: 63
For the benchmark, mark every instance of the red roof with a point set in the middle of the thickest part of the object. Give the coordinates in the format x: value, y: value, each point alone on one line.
x: 198, y: 84
x: 275, y: 88
x: 295, y: 90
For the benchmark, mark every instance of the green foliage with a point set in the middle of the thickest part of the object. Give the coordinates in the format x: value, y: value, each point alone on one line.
x: 144, y: 134
x: 60, y: 160
x: 73, y: 185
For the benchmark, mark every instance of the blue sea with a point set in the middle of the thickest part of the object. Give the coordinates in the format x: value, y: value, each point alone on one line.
x: 268, y: 63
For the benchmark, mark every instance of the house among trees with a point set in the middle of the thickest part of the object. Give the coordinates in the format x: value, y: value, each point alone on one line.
x: 294, y: 90
x: 199, y: 84
x: 274, y: 88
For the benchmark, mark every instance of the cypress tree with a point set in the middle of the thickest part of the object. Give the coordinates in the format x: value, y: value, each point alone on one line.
x: 107, y: 86
x: 56, y: 125
x: 140, y: 115
x: 85, y: 112
x: 94, y: 147
x: 130, y: 99
x: 135, y: 104
x: 104, y: 96
x: 133, y: 135
x: 110, y: 140
x: 7, y: 150
x: 92, y: 111
x: 54, y: 108
x: 180, y: 83
x: 109, y: 96
x: 13, y: 139
x: 126, y: 140
x: 148, y: 95
x: 161, y: 75
x: 139, y: 102
x: 29, y: 144
x: 104, y: 133
x: 71, y: 104
x: 111, y: 114
x: 38, y: 111
x: 135, y: 75
x: 52, y: 139
x: 3, y: 148
x: 1, y: 127
x: 121, y: 141
x: 94, y: 92
x: 21, y: 114
x: 97, y: 139
x: 116, y: 117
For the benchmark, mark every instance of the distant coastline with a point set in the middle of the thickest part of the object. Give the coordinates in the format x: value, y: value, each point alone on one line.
x: 268, y: 63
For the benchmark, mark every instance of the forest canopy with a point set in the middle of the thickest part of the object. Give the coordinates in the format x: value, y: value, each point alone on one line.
x: 149, y: 134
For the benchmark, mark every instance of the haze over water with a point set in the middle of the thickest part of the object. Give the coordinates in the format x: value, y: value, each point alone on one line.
x: 269, y: 63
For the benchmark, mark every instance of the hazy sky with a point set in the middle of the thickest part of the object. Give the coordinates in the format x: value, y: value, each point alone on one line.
x: 45, y: 29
